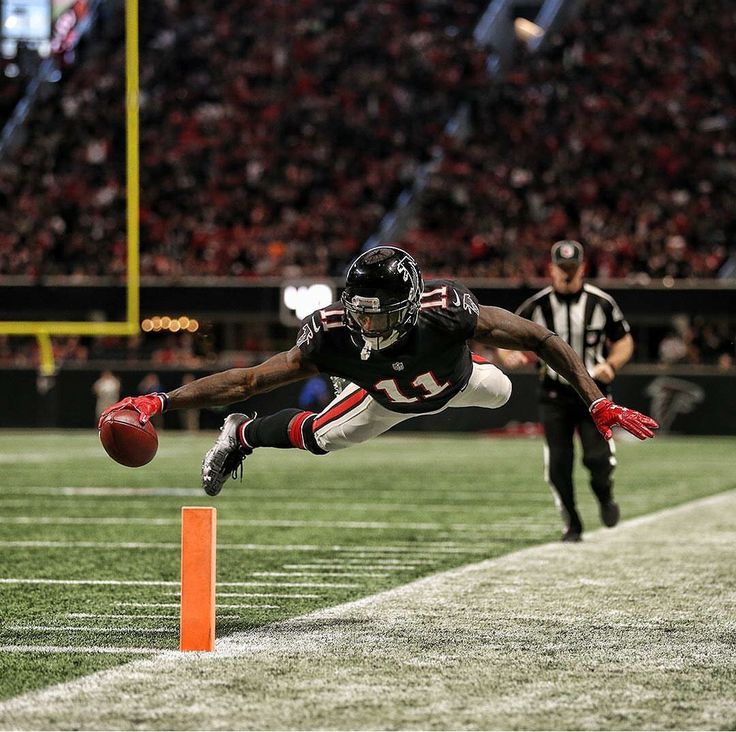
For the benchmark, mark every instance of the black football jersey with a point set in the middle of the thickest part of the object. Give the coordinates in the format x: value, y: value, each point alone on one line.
x: 419, y: 374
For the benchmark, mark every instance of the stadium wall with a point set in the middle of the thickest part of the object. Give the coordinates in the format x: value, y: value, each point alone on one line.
x: 689, y: 401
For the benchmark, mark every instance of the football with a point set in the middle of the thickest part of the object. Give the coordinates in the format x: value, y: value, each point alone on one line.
x: 126, y: 440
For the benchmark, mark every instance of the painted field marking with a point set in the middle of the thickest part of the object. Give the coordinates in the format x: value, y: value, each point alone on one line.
x: 50, y: 581
x: 378, y: 561
x: 135, y: 616
x: 454, y: 509
x: 282, y: 595
x: 318, y: 574
x: 422, y: 548
x: 242, y: 491
x: 265, y: 523
x: 152, y: 583
x: 122, y: 616
x: 343, y: 568
x: 88, y: 628
x: 80, y: 649
x: 176, y: 604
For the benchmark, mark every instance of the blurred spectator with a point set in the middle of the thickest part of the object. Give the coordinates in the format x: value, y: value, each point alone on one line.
x: 106, y: 390
x: 673, y: 349
x: 274, y: 136
x: 620, y: 135
x: 315, y: 394
x: 150, y: 384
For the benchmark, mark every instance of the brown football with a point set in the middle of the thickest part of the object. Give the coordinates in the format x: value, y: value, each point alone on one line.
x: 126, y: 440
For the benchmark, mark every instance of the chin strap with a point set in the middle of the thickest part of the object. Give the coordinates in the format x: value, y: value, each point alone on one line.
x: 365, y: 354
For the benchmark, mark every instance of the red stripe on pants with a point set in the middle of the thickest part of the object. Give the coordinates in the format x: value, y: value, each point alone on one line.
x: 295, y: 429
x: 478, y: 359
x: 340, y: 408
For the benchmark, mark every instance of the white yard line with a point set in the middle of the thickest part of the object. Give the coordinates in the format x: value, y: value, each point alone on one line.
x: 377, y: 561
x: 266, y: 523
x: 176, y: 604
x: 87, y: 498
x: 442, y: 651
x: 135, y: 616
x: 344, y: 568
x: 121, y: 616
x: 112, y: 582
x: 319, y: 574
x: 277, y: 595
x: 153, y: 583
x: 275, y: 495
x: 88, y: 629
x: 420, y: 548
x: 78, y: 649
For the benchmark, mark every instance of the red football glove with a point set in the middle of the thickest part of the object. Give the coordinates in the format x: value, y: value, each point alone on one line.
x: 606, y: 414
x: 146, y: 406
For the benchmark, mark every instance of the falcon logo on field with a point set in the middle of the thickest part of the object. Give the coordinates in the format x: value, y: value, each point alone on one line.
x: 305, y: 335
x: 469, y: 304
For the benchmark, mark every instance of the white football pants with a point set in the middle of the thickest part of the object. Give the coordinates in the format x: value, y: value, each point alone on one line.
x: 354, y: 416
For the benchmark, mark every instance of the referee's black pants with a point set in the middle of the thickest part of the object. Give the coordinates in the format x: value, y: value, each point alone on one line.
x: 563, y: 414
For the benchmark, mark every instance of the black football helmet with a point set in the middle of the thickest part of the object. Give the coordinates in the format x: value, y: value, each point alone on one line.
x: 382, y: 291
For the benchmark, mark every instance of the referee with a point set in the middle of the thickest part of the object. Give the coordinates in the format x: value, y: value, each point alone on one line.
x: 592, y: 323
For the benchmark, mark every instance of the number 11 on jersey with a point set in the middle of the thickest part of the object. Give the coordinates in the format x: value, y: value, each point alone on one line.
x: 424, y: 381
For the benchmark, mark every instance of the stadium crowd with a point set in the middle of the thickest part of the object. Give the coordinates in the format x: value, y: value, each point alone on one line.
x: 621, y: 136
x: 275, y: 136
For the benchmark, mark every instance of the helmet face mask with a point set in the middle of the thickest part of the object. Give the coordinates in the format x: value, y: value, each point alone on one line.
x: 381, y: 298
x: 376, y: 323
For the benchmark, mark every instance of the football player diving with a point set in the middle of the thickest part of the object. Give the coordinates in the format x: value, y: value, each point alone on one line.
x: 400, y: 346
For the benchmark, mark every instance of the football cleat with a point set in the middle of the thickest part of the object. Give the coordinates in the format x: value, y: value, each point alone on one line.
x: 610, y: 513
x: 572, y: 536
x: 226, y: 456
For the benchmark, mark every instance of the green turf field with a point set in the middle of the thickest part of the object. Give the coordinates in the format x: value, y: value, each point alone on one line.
x: 90, y: 550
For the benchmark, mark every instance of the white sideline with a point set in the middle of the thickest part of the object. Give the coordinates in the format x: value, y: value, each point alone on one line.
x: 315, y: 630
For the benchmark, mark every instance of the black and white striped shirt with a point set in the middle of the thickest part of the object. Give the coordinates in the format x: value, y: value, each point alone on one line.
x: 586, y: 320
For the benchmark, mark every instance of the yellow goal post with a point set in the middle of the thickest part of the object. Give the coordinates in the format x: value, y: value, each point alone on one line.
x: 43, y: 330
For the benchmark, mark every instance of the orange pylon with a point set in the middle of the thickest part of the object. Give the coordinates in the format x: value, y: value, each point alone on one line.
x: 198, y: 549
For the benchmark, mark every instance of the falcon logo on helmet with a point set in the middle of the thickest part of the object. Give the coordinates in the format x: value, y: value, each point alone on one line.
x: 382, y: 291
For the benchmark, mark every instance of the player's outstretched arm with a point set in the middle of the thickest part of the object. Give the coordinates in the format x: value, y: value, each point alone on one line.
x: 225, y: 387
x: 502, y: 329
